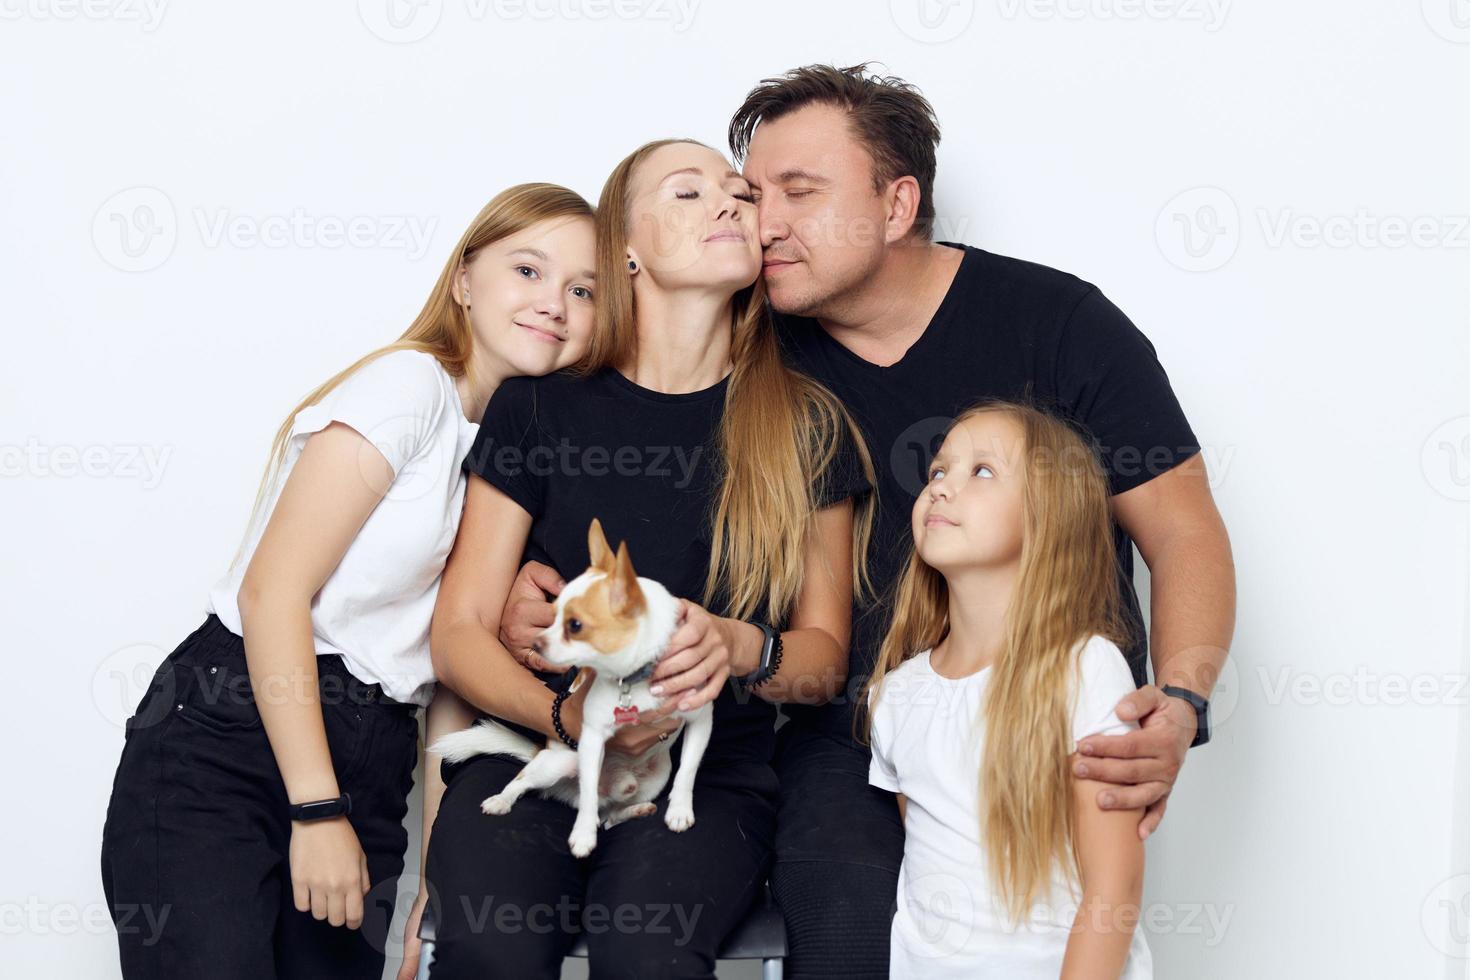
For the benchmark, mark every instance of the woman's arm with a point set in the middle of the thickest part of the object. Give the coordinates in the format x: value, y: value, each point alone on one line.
x: 336, y: 482
x: 1111, y: 866
x: 464, y: 636
x: 814, y: 650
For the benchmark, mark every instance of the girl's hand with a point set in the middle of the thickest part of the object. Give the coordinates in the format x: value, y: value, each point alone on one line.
x: 412, y: 945
x: 329, y: 874
x: 701, y: 655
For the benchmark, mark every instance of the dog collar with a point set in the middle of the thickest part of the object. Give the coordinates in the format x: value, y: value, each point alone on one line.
x: 638, y: 676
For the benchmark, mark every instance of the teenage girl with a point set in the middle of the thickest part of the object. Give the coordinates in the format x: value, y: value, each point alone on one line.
x: 258, y: 807
x: 1004, y: 651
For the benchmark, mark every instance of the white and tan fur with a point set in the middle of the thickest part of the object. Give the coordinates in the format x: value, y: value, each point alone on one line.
x: 611, y: 624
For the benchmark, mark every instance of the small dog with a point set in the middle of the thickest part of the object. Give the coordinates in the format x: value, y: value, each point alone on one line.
x: 613, y: 625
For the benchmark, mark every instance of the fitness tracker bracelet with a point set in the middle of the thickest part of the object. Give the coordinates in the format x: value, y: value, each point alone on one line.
x: 770, y: 660
x: 1201, y: 708
x: 322, y: 809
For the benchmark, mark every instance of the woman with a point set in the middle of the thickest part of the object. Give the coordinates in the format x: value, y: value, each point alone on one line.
x: 263, y: 783
x: 730, y: 478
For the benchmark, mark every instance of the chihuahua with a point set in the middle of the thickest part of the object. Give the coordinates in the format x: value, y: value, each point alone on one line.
x: 614, y: 626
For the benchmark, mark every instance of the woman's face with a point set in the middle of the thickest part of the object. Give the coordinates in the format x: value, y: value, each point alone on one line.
x: 530, y: 295
x: 691, y: 221
x: 970, y: 514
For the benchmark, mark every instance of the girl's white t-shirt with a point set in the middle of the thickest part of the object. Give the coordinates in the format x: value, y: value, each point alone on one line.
x: 928, y: 740
x: 374, y: 608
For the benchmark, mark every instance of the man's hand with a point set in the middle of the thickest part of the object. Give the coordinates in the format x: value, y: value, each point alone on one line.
x: 1142, y: 764
x: 528, y: 611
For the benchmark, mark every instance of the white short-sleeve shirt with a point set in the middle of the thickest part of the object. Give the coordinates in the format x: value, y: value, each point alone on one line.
x: 928, y: 740
x: 374, y: 608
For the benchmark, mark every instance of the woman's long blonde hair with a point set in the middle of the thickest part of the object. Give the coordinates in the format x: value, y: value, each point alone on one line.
x: 1067, y: 590
x: 778, y: 434
x: 442, y: 327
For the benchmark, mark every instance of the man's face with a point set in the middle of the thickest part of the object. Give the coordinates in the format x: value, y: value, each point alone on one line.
x: 822, y: 224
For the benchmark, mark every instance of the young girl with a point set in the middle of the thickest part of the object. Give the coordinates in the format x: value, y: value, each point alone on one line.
x: 264, y: 779
x: 1002, y: 654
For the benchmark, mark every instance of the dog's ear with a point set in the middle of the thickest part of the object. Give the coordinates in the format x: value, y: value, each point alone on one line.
x: 598, y: 548
x: 624, y: 595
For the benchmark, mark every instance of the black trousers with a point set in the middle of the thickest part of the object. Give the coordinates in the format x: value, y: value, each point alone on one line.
x: 195, y: 846
x: 839, y: 842
x: 510, y: 897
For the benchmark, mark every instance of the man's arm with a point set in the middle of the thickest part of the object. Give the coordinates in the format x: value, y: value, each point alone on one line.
x: 1173, y: 520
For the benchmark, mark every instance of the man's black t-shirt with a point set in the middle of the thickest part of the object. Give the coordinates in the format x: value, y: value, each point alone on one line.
x: 1008, y: 329
x: 647, y: 465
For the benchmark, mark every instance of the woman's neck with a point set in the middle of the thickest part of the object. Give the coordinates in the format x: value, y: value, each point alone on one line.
x: 684, y: 341
x: 978, y: 600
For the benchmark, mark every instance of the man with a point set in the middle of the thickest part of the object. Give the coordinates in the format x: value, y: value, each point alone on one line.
x: 908, y: 332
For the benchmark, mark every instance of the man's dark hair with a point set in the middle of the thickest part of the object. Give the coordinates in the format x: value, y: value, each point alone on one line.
x: 890, y: 117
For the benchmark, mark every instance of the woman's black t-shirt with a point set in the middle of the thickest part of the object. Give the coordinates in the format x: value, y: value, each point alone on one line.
x: 647, y: 465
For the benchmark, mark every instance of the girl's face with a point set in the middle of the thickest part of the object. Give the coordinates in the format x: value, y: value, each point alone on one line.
x: 969, y: 516
x: 692, y: 221
x: 530, y: 295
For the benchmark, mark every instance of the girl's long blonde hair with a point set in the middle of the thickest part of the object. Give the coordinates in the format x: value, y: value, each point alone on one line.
x: 778, y: 435
x: 442, y: 328
x: 1067, y: 589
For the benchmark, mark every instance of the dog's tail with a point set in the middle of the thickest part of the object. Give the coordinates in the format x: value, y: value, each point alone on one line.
x: 486, y: 738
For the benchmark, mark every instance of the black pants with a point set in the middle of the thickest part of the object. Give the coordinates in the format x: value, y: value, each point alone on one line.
x: 510, y: 897
x: 195, y: 847
x: 839, y: 842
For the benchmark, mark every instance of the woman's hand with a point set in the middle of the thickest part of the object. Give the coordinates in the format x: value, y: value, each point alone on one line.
x: 701, y: 656
x: 413, y: 947
x: 329, y: 874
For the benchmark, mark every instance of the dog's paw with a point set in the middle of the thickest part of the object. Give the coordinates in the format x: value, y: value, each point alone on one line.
x: 582, y: 841
x: 679, y: 817
x: 495, y: 805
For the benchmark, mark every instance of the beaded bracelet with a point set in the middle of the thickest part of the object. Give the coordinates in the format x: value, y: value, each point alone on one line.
x: 561, y: 732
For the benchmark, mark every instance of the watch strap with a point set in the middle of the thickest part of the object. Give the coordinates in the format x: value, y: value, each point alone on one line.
x: 322, y: 809
x: 1201, y: 708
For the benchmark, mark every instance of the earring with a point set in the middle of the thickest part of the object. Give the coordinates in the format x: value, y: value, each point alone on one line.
x: 466, y: 297
x: 632, y: 266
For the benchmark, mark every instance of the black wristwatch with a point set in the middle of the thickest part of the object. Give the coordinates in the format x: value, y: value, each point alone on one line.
x: 322, y: 809
x: 770, y: 656
x: 1201, y: 708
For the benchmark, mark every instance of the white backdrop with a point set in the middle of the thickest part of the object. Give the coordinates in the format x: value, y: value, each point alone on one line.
x: 209, y: 208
